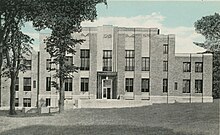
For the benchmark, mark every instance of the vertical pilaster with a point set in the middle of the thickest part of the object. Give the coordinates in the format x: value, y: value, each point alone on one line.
x: 137, y: 72
x: 93, y: 65
x: 121, y: 64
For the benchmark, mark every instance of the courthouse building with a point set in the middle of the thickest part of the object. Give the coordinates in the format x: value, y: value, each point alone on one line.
x: 118, y: 63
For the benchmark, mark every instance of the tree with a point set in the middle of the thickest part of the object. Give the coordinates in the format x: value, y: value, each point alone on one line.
x: 64, y: 18
x: 14, y: 44
x: 209, y: 27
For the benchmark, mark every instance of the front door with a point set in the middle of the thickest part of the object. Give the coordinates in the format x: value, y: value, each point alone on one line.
x: 106, y: 89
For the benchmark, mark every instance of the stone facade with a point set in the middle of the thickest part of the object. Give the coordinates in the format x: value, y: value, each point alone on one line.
x: 145, y: 43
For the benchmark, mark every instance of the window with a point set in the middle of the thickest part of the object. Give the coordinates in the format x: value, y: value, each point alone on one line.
x: 129, y: 58
x: 145, y: 64
x: 165, y: 65
x: 175, y: 86
x: 165, y: 85
x: 17, y: 84
x: 16, y: 102
x: 47, y: 101
x: 186, y: 86
x: 165, y: 49
x: 85, y: 62
x: 84, y: 84
x: 129, y: 85
x: 186, y: 67
x: 27, y: 84
x: 48, y: 84
x: 69, y: 60
x: 27, y: 64
x: 145, y: 85
x: 68, y: 84
x: 48, y: 64
x: 27, y: 102
x: 34, y: 84
x: 107, y: 60
x: 198, y: 86
x: 198, y: 67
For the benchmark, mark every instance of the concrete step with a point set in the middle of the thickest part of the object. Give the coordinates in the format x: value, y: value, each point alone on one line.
x: 110, y: 103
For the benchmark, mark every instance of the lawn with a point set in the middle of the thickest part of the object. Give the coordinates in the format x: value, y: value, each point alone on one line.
x: 158, y: 119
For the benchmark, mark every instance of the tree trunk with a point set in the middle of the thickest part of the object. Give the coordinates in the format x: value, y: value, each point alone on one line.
x: 12, y: 95
x: 61, y: 94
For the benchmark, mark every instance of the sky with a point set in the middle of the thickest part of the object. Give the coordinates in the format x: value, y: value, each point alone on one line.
x: 171, y: 17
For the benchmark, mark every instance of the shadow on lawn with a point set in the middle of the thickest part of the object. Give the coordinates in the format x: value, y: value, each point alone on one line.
x: 91, y: 130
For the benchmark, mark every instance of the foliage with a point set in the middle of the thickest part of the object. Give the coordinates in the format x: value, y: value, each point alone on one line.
x: 15, y: 45
x: 209, y: 27
x: 64, y: 18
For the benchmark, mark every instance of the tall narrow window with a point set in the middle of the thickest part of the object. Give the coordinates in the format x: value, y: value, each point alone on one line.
x: 165, y: 65
x: 27, y: 64
x: 47, y: 101
x: 68, y: 84
x: 107, y: 60
x: 34, y: 84
x: 145, y: 64
x: 48, y: 84
x: 84, y: 84
x: 27, y: 102
x: 198, y: 86
x: 85, y: 62
x: 129, y: 84
x: 69, y: 60
x: 186, y: 67
x: 129, y: 59
x: 175, y: 86
x: 165, y: 85
x: 48, y: 64
x: 17, y: 84
x: 145, y: 85
x: 27, y: 84
x: 165, y: 49
x: 186, y: 86
x: 16, y: 102
x: 198, y: 67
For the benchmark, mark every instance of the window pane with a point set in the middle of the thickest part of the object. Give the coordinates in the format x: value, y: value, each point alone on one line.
x: 85, y: 59
x: 27, y: 84
x: 129, y: 58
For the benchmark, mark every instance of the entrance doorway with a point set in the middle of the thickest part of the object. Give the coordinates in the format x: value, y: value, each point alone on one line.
x: 106, y: 89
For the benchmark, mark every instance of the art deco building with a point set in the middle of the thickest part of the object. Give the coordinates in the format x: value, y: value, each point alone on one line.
x: 118, y: 63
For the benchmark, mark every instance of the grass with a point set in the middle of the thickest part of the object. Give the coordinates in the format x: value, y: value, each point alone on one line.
x: 159, y: 119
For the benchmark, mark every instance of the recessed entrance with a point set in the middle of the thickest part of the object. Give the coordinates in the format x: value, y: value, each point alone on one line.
x: 106, y: 89
x: 106, y: 85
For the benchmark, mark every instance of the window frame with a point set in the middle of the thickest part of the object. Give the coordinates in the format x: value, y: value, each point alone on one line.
x: 28, y: 64
x: 48, y: 64
x: 165, y: 85
x: 27, y: 104
x: 107, y: 60
x: 84, y: 59
x: 198, y: 67
x: 27, y: 86
x: 188, y: 81
x: 129, y: 84
x: 68, y: 84
x: 129, y: 60
x: 84, y: 87
x: 186, y: 66
x: 145, y: 64
x: 48, y: 83
x: 165, y: 48
x: 16, y: 102
x: 48, y: 102
x: 165, y: 66
x: 143, y: 88
x: 199, y: 82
